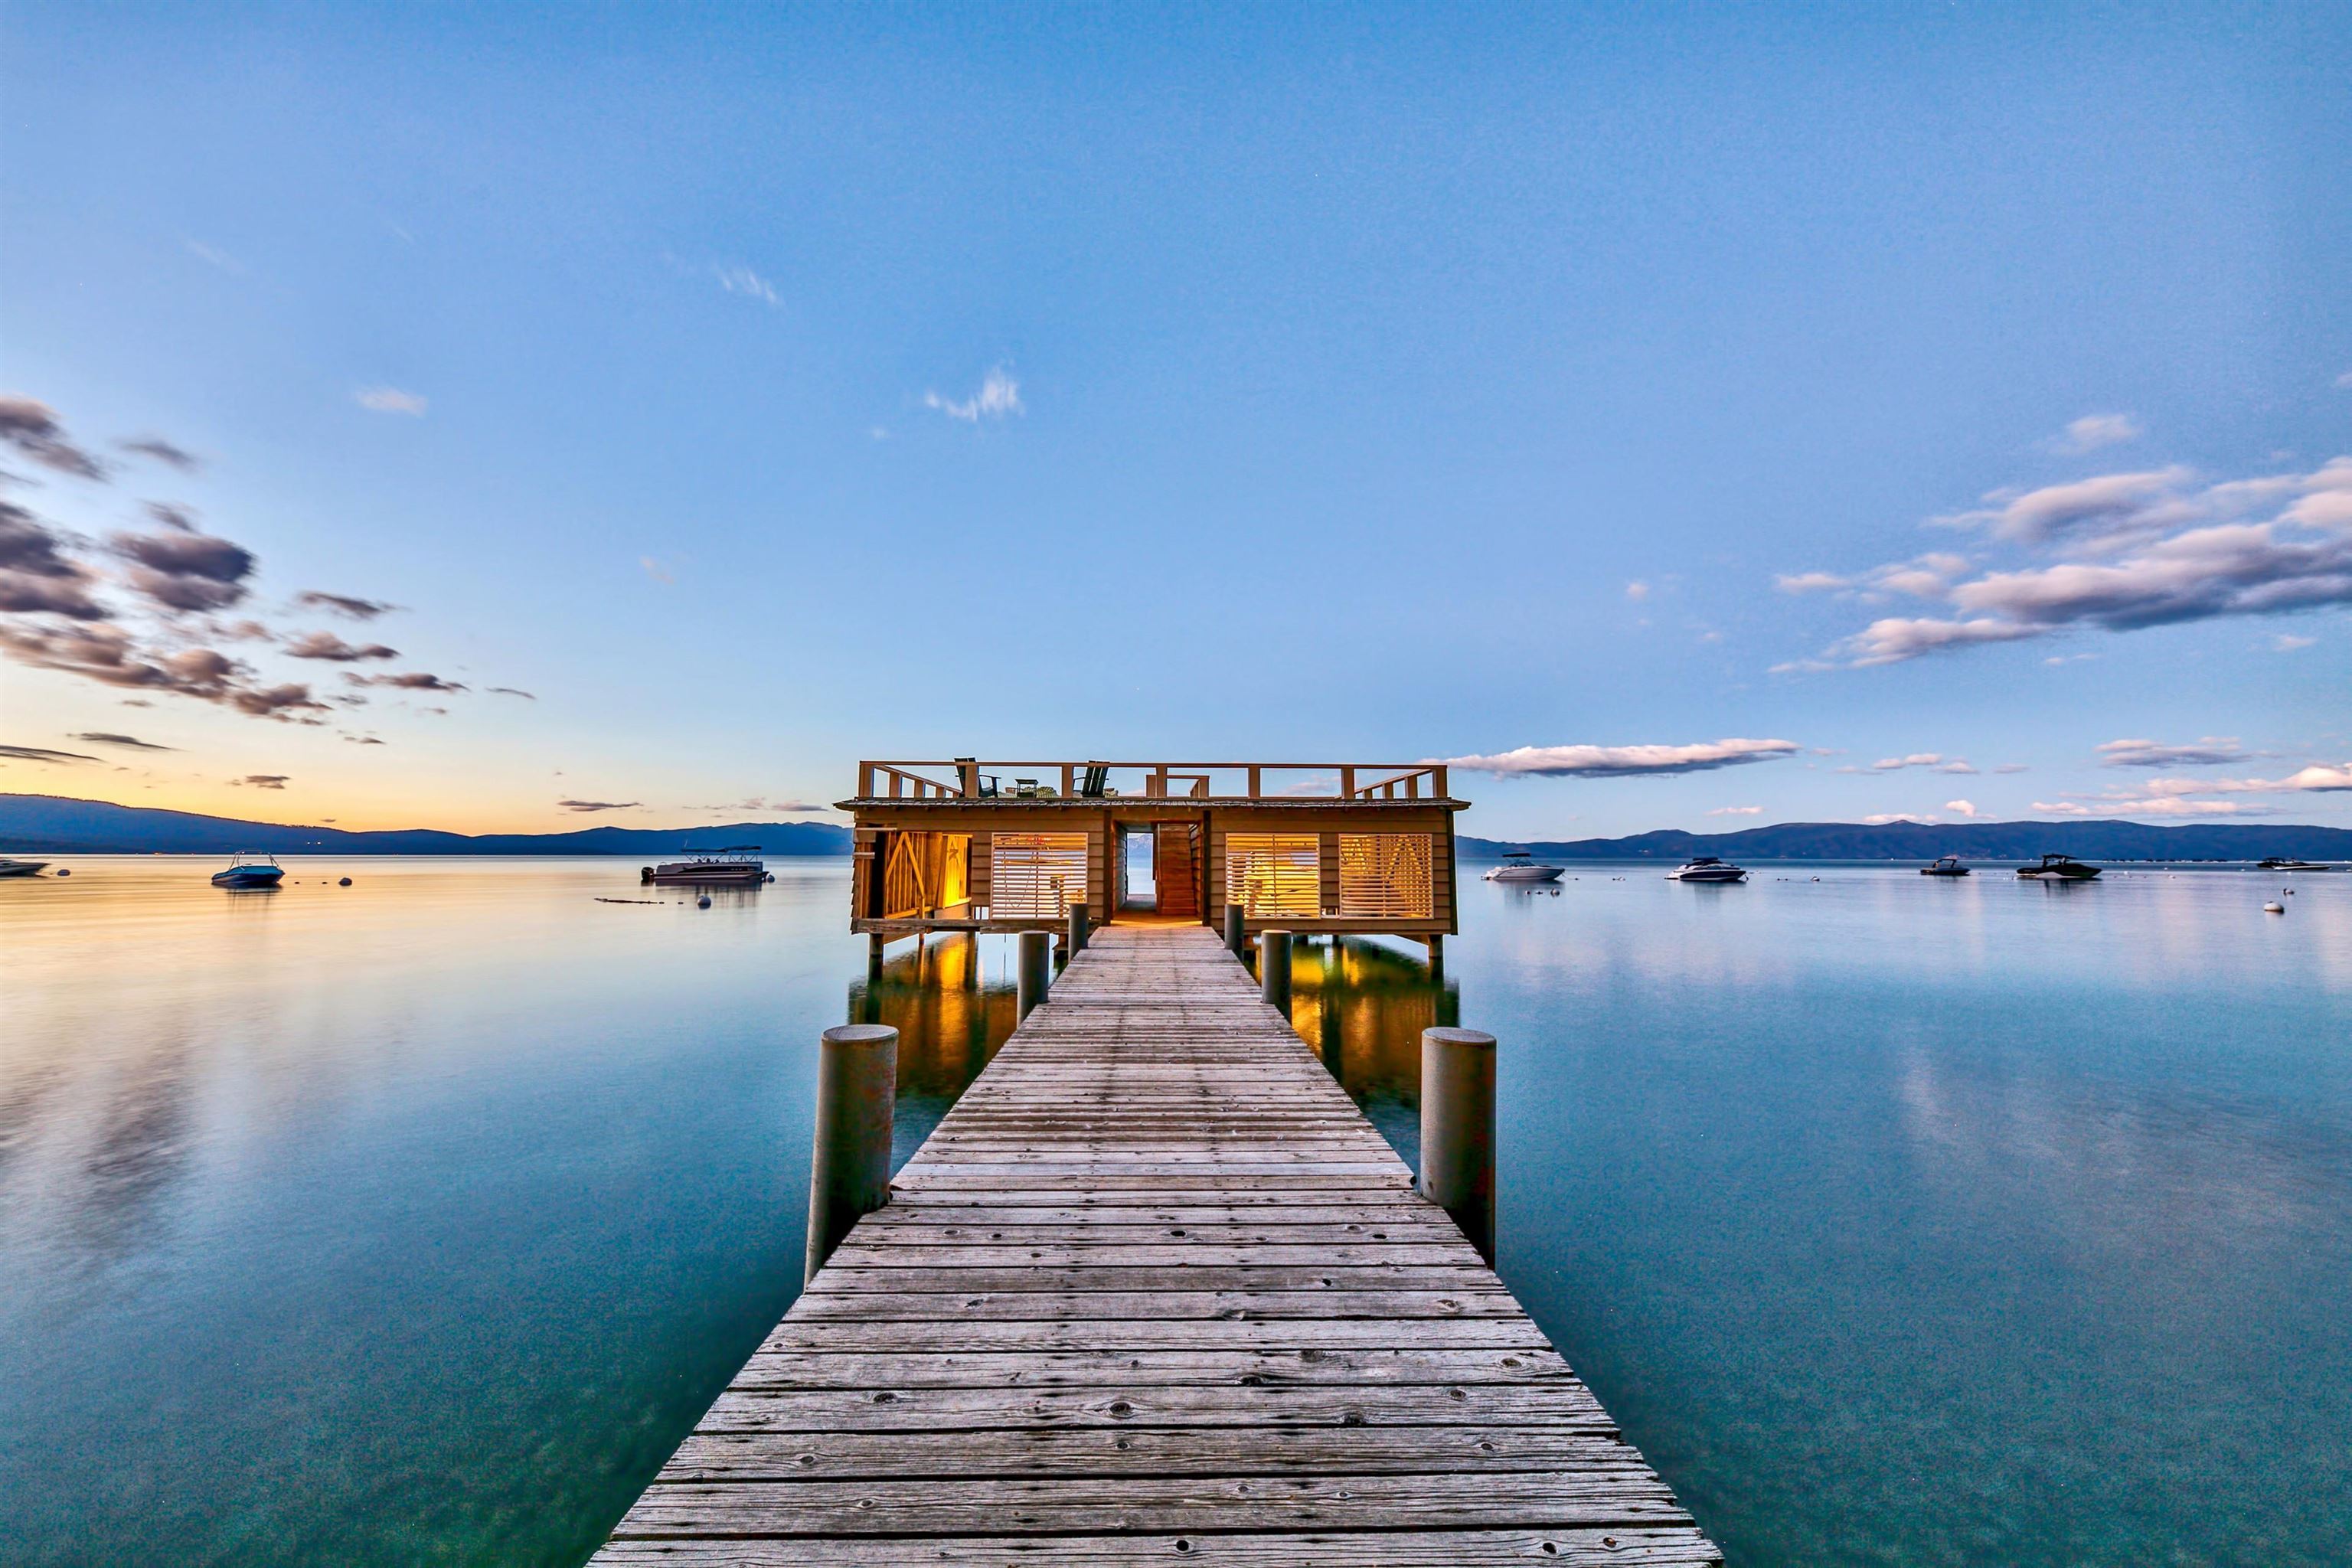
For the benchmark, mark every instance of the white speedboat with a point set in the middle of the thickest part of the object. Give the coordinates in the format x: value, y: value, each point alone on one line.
x: 1706, y: 869
x: 1519, y: 867
x: 21, y: 868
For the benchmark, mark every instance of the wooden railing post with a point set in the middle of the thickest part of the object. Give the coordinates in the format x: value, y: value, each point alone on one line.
x: 849, y: 1168
x: 1347, y: 783
x: 1443, y: 791
x: 865, y: 781
x: 1069, y: 780
x: 1254, y: 785
x: 1457, y: 1131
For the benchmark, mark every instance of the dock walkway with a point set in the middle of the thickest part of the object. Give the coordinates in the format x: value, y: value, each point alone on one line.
x: 1155, y: 1291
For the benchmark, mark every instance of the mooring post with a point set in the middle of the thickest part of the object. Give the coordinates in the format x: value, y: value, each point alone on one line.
x: 972, y: 961
x: 1036, y: 970
x: 1457, y: 1131
x: 1237, y: 931
x: 849, y: 1168
x: 1274, y: 968
x: 875, y: 944
x: 1079, y: 928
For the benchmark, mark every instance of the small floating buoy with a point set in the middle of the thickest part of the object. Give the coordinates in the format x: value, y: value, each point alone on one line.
x: 2275, y: 908
x: 703, y: 902
x: 344, y: 883
x: 65, y: 870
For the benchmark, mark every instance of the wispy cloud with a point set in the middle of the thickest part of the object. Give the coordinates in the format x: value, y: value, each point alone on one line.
x: 1616, y: 761
x: 42, y: 754
x: 391, y: 400
x: 2287, y: 642
x: 263, y: 781
x: 32, y: 427
x: 2212, y: 750
x: 744, y: 281
x: 213, y: 256
x: 1882, y: 818
x: 164, y: 452
x: 1936, y: 760
x: 655, y: 570
x: 2093, y: 431
x: 1637, y: 590
x: 410, y: 680
x: 328, y: 645
x: 1737, y: 811
x: 104, y: 738
x: 343, y: 605
x: 110, y: 655
x: 599, y: 804
x: 999, y: 398
x: 512, y: 691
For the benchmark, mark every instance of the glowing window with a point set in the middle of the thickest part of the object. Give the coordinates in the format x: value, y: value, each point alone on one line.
x: 1385, y: 875
x: 1274, y: 875
x: 1036, y: 876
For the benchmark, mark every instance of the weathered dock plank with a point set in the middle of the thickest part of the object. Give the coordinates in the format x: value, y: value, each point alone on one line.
x: 1156, y: 1289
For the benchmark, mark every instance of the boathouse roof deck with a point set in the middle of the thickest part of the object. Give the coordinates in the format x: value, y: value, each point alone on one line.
x: 1308, y: 784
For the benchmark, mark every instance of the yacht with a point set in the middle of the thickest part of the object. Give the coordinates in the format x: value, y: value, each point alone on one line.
x: 1706, y: 869
x: 738, y: 865
x: 21, y: 868
x: 250, y: 868
x: 1945, y: 866
x: 1518, y: 867
x: 2058, y: 869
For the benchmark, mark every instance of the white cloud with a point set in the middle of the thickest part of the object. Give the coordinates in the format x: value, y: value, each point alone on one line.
x: 1809, y: 582
x: 391, y: 400
x: 2287, y: 642
x: 1936, y: 760
x: 1881, y: 819
x: 1737, y: 811
x: 1613, y: 761
x: 2345, y: 381
x: 744, y: 281
x: 1637, y: 590
x: 2213, y: 749
x: 1962, y: 809
x: 2013, y: 768
x: 999, y: 396
x: 2063, y: 808
x: 2152, y: 549
x: 2095, y: 430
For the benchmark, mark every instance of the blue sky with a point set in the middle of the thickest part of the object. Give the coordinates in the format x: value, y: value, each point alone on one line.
x: 1594, y: 393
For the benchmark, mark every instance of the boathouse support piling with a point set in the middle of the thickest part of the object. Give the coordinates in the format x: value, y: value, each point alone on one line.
x: 849, y: 1165
x: 1457, y: 1131
x: 1274, y: 969
x: 1036, y: 971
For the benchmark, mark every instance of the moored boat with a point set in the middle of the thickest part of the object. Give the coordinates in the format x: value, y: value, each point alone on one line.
x: 250, y: 868
x: 1706, y: 869
x: 1519, y: 866
x: 2058, y: 869
x: 1945, y: 866
x: 21, y: 868
x: 738, y: 865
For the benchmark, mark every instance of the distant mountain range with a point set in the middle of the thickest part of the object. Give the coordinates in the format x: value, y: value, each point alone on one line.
x: 1970, y: 840
x: 46, y: 824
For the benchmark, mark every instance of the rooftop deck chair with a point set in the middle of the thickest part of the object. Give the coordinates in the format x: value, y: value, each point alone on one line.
x: 1091, y: 788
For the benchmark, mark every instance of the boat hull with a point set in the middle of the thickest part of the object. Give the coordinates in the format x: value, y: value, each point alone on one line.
x: 2036, y: 874
x: 22, y: 867
x: 246, y: 879
x: 706, y: 879
x: 1734, y: 876
x: 1524, y: 874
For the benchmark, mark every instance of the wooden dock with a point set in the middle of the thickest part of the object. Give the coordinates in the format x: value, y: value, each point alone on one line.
x: 1155, y: 1291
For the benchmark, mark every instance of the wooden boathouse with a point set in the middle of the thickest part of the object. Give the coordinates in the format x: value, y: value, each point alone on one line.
x: 1328, y: 848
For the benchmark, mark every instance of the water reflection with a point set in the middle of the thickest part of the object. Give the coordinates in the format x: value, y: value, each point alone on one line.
x: 949, y: 1020
x: 1362, y: 1006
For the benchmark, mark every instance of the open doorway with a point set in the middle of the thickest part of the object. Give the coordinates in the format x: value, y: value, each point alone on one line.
x: 1159, y: 871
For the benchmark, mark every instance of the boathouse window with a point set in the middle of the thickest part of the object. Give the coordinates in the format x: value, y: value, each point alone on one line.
x: 1385, y: 875
x: 925, y: 872
x: 1274, y: 875
x: 1036, y: 876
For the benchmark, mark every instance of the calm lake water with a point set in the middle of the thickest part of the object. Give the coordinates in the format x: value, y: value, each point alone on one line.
x: 1899, y: 1222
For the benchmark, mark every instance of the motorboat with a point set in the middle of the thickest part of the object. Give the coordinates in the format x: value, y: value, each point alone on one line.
x: 250, y: 868
x: 2058, y: 869
x: 1519, y: 866
x: 2288, y: 863
x: 738, y: 865
x: 1945, y: 866
x: 21, y: 868
x: 1706, y: 869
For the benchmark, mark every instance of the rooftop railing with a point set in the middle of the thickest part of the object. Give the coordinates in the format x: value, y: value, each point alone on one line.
x: 969, y: 778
